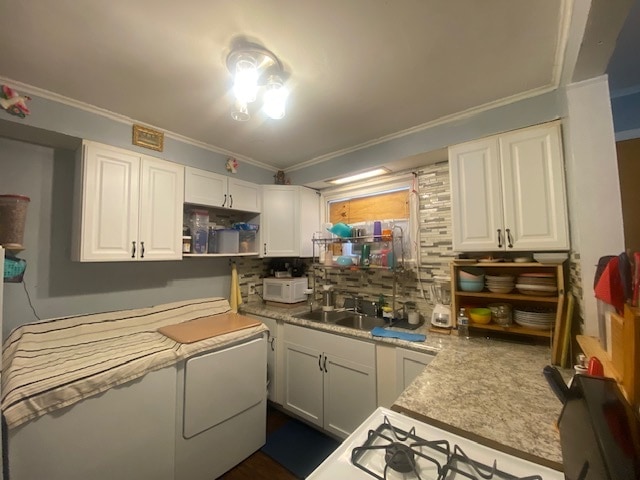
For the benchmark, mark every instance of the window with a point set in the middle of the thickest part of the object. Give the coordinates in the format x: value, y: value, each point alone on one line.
x: 388, y: 202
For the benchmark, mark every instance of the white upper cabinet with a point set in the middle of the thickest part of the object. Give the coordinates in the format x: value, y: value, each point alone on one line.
x: 211, y: 189
x: 290, y: 216
x: 508, y: 192
x: 128, y: 206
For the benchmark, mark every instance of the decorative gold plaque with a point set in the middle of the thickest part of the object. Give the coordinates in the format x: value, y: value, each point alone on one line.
x: 148, y: 138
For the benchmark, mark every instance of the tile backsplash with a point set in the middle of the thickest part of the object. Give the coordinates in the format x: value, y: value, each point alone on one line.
x: 434, y: 254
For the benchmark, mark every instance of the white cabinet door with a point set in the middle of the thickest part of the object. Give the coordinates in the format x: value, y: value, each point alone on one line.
x: 476, y: 198
x: 303, y: 382
x: 213, y: 190
x: 108, y: 197
x: 508, y: 192
x: 243, y: 195
x: 349, y: 394
x: 128, y: 206
x: 205, y: 188
x: 309, y: 220
x: 290, y: 215
x: 534, y: 192
x: 161, y: 193
x: 409, y: 364
x: 330, y: 380
x: 280, y: 221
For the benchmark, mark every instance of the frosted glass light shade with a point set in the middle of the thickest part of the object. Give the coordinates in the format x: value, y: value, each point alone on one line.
x: 275, y: 98
x: 245, y: 83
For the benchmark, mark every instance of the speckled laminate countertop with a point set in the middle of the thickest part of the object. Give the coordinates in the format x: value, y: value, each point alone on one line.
x: 488, y: 390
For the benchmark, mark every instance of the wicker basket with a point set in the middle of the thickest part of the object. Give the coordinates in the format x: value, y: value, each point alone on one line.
x: 14, y: 269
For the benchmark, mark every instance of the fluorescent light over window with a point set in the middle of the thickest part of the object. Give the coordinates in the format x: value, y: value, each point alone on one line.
x: 360, y: 176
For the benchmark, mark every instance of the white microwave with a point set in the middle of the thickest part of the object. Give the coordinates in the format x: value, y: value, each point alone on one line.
x: 285, y: 290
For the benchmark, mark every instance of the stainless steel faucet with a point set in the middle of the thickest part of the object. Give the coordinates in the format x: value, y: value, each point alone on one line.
x: 353, y: 303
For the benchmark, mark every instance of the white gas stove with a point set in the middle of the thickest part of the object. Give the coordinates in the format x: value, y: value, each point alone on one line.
x: 392, y: 446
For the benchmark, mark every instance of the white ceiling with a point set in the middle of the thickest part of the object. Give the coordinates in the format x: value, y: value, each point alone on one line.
x: 360, y: 70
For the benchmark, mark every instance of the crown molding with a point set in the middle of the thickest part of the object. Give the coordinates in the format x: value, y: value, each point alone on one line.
x: 117, y: 117
x: 434, y: 123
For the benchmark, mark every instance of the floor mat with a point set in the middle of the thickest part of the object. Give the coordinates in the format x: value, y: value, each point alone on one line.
x: 299, y: 448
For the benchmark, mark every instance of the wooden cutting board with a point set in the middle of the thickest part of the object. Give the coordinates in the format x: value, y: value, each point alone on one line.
x: 207, y: 327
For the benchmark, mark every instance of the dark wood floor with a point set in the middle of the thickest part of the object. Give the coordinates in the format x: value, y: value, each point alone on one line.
x: 259, y: 466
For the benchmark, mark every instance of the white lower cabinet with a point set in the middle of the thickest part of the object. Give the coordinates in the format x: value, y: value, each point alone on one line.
x: 330, y: 380
x: 396, y: 368
x: 275, y: 390
x: 409, y: 364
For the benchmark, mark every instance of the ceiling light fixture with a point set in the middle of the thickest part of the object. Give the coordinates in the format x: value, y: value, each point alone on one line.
x: 360, y: 176
x: 253, y: 66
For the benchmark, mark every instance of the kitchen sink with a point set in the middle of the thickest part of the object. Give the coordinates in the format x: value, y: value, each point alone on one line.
x: 361, y: 322
x: 325, y: 317
x: 344, y: 319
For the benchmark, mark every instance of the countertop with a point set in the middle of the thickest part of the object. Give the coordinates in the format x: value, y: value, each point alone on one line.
x: 488, y: 390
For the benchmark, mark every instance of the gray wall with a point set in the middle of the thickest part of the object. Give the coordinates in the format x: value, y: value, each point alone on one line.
x: 530, y: 111
x: 57, y: 286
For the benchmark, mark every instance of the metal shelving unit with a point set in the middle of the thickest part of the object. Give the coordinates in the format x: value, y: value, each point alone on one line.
x: 397, y: 264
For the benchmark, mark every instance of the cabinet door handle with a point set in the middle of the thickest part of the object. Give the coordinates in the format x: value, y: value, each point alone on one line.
x: 509, y: 238
x: 325, y: 364
x: 499, y: 238
x: 133, y: 250
x: 225, y: 199
x: 273, y: 341
x: 141, y: 249
x: 320, y: 362
x: 265, y: 248
x: 230, y: 201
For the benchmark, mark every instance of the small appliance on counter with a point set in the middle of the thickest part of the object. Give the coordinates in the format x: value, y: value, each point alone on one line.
x: 285, y: 290
x: 440, y: 295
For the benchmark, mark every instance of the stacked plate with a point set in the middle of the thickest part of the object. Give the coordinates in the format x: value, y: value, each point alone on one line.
x: 500, y: 283
x: 541, y: 284
x: 535, y: 318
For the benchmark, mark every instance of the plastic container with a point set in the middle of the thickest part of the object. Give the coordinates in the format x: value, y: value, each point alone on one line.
x: 13, y: 215
x: 247, y: 241
x: 199, y: 230
x: 227, y: 241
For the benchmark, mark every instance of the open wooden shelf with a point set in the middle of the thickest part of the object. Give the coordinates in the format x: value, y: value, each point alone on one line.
x: 517, y: 300
x: 514, y: 329
x: 508, y: 297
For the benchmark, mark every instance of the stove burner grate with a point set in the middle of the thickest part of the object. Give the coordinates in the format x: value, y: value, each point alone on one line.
x: 404, y: 450
x: 400, y: 457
